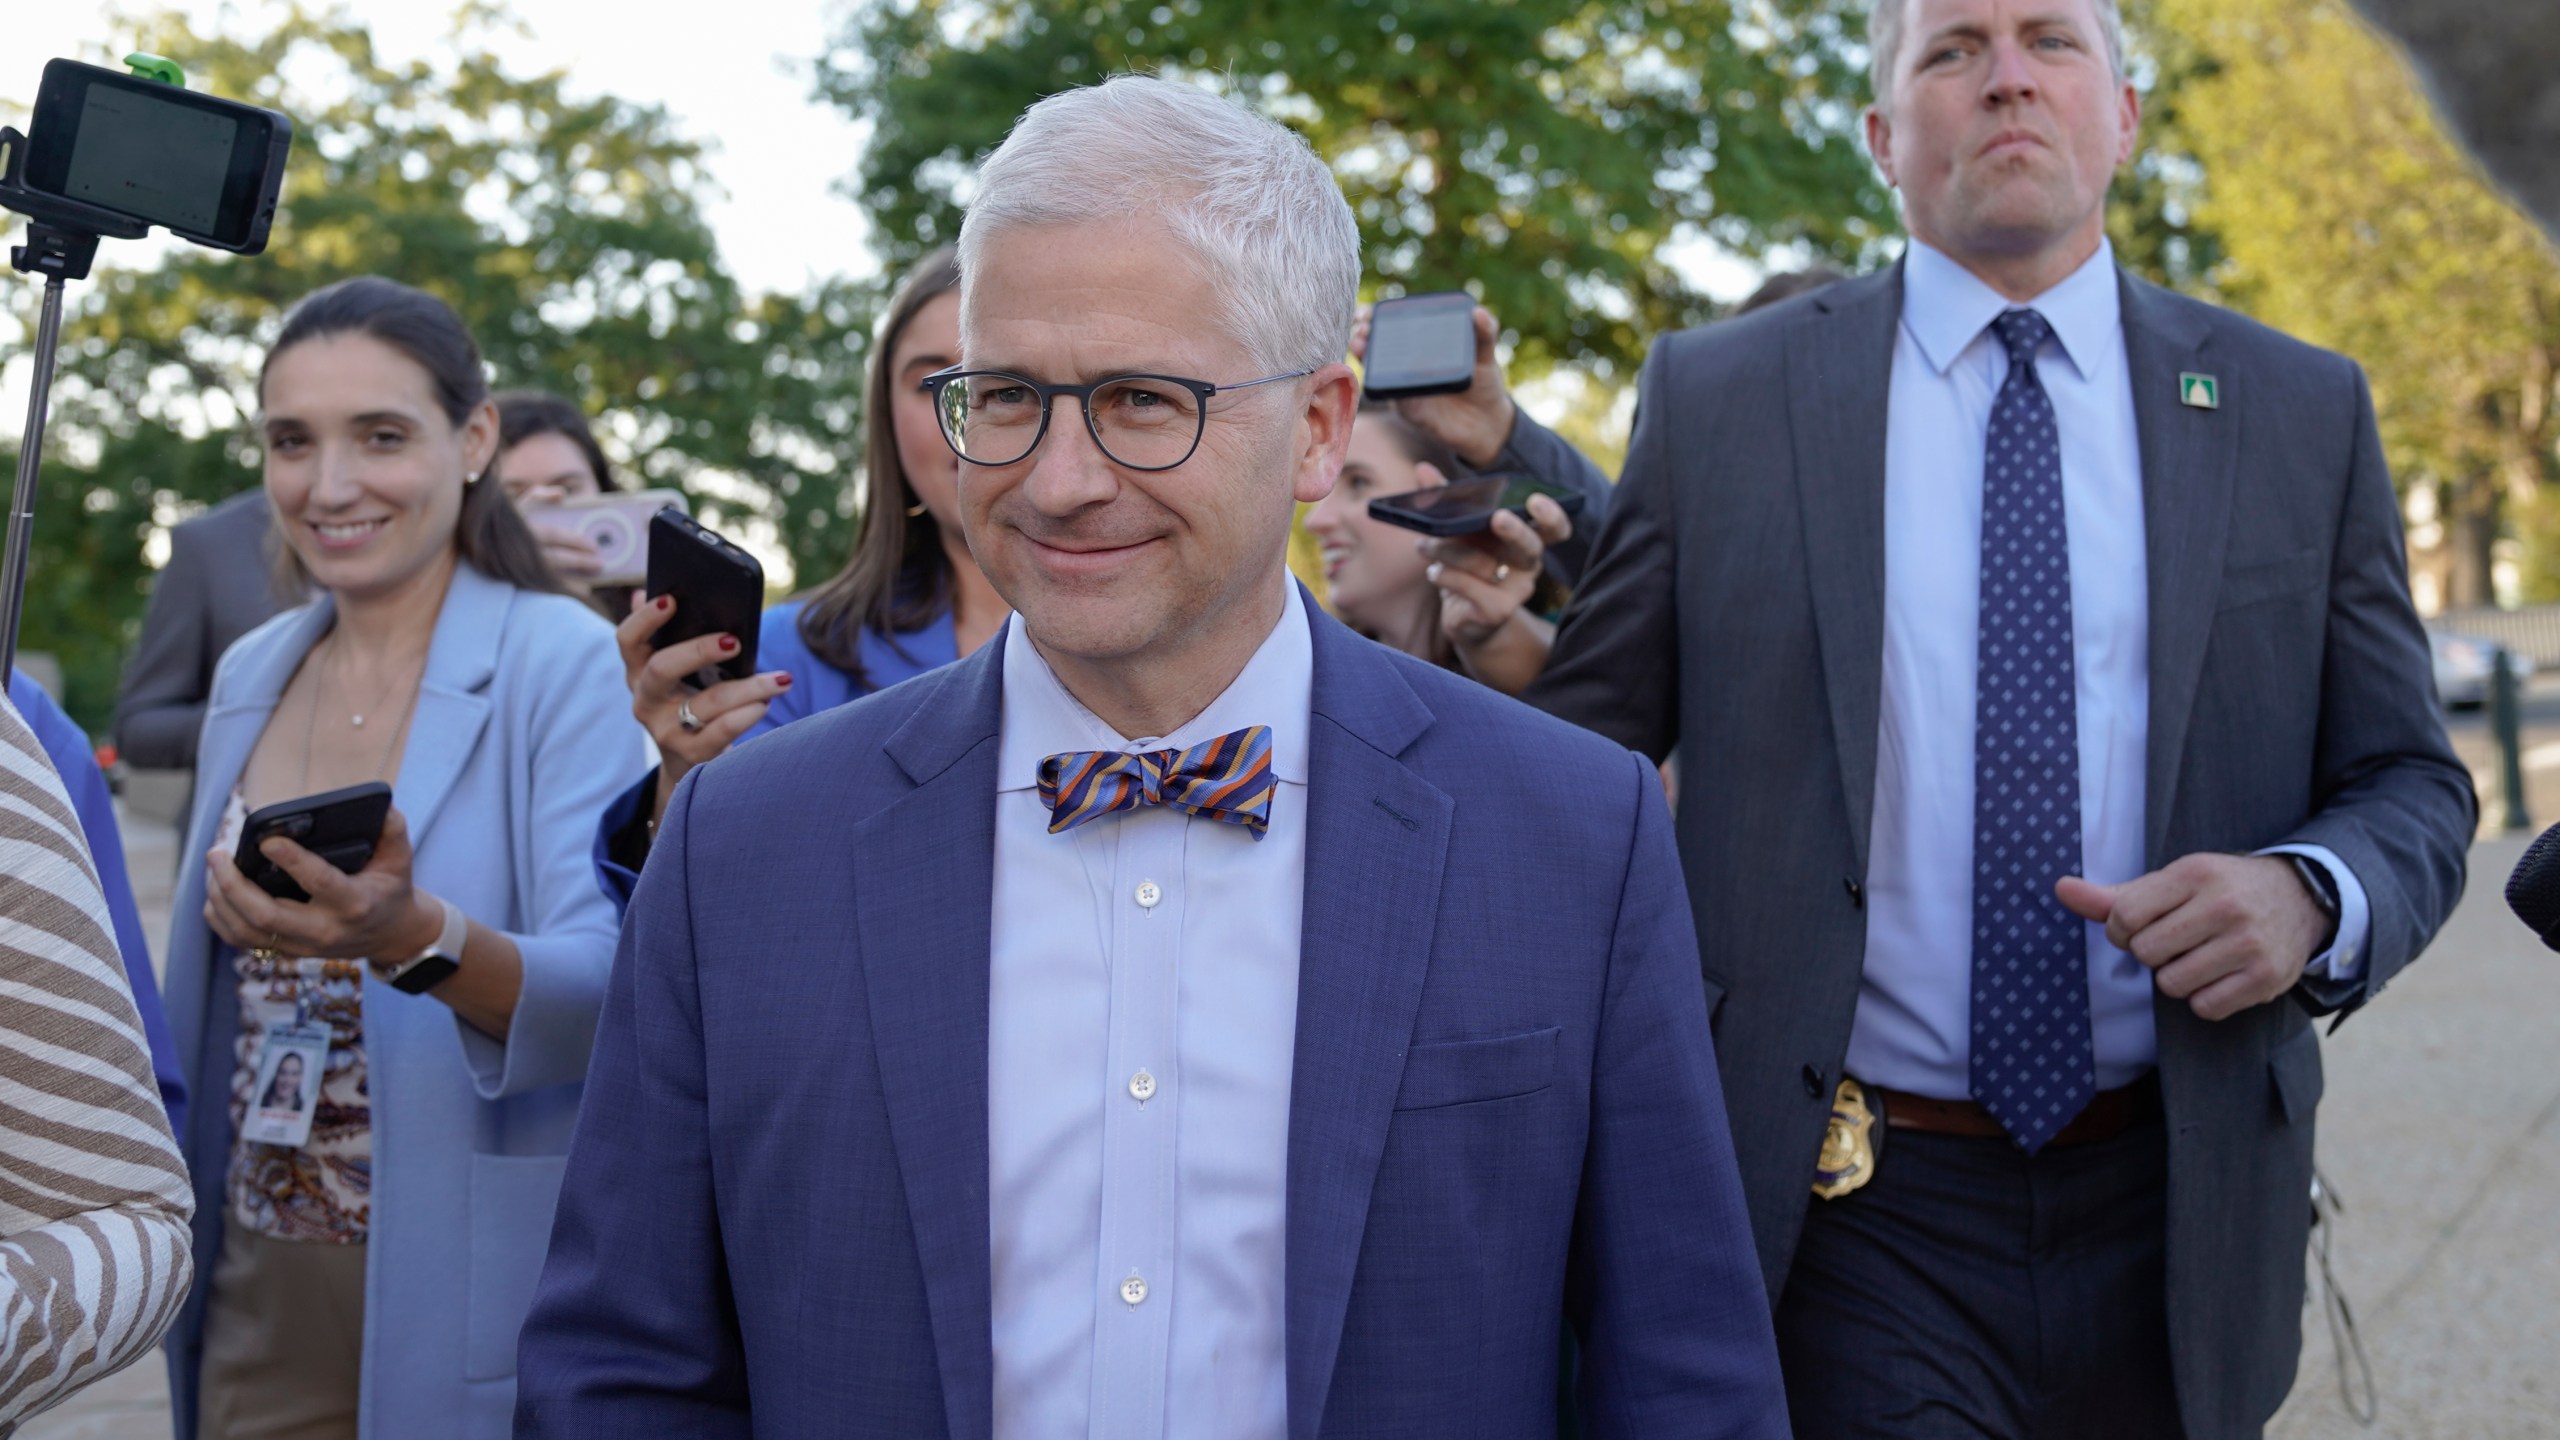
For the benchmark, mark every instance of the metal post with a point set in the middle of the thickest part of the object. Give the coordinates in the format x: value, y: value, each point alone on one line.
x: 22, y: 501
x: 2506, y: 720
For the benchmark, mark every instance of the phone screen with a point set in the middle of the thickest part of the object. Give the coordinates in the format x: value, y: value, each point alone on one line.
x: 1424, y: 341
x: 145, y: 156
x: 1466, y: 498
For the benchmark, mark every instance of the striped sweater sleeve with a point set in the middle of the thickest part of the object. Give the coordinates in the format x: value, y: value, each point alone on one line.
x: 94, y: 1201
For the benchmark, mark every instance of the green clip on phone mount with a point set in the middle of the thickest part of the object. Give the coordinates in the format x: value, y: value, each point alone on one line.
x: 156, y: 67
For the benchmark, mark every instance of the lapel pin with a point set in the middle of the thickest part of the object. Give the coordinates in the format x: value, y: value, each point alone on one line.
x: 2201, y: 391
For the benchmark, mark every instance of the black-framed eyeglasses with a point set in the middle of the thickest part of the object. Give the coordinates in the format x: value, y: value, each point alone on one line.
x: 1145, y: 422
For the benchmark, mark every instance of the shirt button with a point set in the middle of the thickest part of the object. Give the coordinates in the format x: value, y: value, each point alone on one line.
x: 1149, y: 894
x: 1142, y: 1087
x: 1134, y: 1290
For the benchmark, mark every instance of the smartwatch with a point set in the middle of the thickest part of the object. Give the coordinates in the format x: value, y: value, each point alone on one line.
x: 435, y: 964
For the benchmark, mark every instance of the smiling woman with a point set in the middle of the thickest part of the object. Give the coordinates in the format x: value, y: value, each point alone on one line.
x: 450, y: 986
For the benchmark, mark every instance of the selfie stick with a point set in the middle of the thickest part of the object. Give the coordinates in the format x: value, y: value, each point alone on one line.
x: 62, y: 239
x: 57, y: 255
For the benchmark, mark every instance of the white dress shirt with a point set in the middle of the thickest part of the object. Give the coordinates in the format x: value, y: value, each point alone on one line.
x: 1913, y: 1028
x: 1141, y: 1021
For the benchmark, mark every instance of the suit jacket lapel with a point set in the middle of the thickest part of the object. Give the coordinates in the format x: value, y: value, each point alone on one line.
x: 453, y: 695
x: 231, y: 730
x: 2188, y: 457
x: 1377, y: 835
x: 1839, y: 369
x: 924, y: 893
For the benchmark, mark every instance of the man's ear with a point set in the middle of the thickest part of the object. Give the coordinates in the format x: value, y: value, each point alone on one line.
x: 2131, y: 113
x: 1880, y: 141
x: 1333, y: 399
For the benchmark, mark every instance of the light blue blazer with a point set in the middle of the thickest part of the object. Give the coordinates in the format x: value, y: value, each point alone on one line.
x: 523, y: 732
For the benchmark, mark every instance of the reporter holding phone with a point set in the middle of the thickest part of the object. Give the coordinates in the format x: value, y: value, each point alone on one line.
x: 910, y: 600
x: 548, y: 453
x: 372, y: 1273
x: 1380, y: 581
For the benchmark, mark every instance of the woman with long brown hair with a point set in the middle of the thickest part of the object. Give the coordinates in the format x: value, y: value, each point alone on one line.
x: 364, y: 1266
x: 909, y: 600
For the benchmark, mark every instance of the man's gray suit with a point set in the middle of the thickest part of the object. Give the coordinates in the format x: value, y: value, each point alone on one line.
x: 1734, y: 607
x: 219, y: 585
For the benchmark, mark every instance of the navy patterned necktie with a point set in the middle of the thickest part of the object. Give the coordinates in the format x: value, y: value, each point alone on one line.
x: 2033, y: 1067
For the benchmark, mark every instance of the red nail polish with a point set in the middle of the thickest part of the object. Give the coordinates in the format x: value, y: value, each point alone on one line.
x: 728, y: 643
x: 782, y: 681
x: 664, y: 603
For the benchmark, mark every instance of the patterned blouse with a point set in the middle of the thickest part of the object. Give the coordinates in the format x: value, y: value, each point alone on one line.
x: 320, y: 1192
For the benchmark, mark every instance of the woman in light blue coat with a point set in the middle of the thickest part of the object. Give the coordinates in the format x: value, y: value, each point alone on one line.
x: 364, y: 1272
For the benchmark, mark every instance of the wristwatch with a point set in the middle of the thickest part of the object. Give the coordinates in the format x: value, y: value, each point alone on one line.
x: 2324, y: 892
x: 434, y: 965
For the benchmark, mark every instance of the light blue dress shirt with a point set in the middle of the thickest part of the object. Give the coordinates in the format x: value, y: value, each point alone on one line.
x: 1915, y: 1003
x: 1142, y: 1017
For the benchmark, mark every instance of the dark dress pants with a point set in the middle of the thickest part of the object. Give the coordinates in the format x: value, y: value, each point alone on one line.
x: 1971, y: 1291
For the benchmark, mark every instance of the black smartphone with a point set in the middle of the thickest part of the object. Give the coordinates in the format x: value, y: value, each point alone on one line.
x: 719, y: 589
x: 1421, y: 345
x: 1464, y: 507
x: 206, y: 169
x: 341, y: 827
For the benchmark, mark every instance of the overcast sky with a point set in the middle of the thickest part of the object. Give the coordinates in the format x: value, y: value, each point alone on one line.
x: 725, y: 69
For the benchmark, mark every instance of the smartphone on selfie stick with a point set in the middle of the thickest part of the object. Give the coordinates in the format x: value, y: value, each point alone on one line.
x: 107, y: 156
x: 1420, y: 345
x: 719, y: 589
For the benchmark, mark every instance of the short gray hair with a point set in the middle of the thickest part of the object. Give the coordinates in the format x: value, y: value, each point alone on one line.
x: 1884, y: 42
x: 1246, y: 195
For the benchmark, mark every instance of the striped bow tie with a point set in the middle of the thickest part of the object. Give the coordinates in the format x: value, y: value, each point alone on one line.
x: 1228, y: 778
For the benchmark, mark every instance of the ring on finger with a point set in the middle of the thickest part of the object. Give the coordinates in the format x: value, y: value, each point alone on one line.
x: 1501, y: 573
x: 685, y: 716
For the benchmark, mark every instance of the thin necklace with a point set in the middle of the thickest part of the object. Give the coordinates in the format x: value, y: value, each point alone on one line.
x: 311, y: 713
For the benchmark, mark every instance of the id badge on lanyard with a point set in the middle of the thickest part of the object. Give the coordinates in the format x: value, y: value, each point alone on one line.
x: 290, y: 1067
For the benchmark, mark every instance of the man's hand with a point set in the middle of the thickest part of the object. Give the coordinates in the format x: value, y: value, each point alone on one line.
x: 1476, y: 422
x: 2221, y: 932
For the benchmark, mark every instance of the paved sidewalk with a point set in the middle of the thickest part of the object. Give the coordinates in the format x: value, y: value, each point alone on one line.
x: 2440, y: 1128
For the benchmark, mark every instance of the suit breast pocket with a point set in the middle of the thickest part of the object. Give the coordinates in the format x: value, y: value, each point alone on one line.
x: 2263, y: 580
x: 1464, y: 1072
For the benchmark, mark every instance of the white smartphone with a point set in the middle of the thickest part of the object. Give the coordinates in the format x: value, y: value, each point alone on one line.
x: 617, y: 524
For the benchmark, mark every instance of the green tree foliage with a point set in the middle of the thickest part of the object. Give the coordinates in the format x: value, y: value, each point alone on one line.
x: 566, y: 229
x: 2345, y: 216
x: 1547, y: 153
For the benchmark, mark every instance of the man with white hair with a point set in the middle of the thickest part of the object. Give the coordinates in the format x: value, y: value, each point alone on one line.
x: 2056, y: 739
x: 1182, y: 1018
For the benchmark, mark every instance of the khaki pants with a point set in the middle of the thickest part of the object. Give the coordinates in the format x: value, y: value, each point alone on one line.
x: 283, y: 1340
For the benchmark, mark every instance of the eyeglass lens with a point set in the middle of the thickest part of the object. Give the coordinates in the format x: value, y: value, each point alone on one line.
x: 1141, y: 422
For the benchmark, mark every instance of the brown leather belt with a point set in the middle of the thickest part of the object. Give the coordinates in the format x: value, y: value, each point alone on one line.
x: 2110, y: 1113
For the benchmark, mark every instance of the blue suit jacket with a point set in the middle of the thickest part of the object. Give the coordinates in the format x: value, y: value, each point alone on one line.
x: 68, y: 748
x: 1504, y: 1110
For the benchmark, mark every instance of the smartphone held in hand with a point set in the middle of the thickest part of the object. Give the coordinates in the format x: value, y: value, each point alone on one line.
x: 1420, y: 345
x: 1465, y: 507
x: 616, y: 524
x: 719, y: 589
x: 340, y: 826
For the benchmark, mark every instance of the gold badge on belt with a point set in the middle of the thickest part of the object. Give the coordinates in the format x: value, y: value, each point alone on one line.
x: 1849, y: 1143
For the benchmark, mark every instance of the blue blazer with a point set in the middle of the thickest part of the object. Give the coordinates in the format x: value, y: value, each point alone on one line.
x: 1504, y: 1110
x: 523, y: 731
x: 67, y: 746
